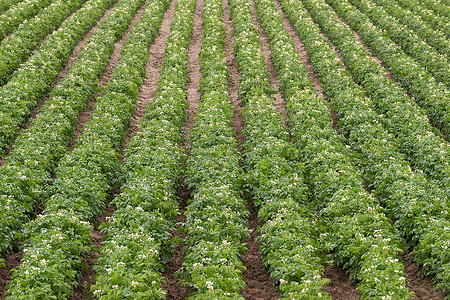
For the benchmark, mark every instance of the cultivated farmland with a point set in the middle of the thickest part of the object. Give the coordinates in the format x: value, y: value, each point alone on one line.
x: 224, y: 149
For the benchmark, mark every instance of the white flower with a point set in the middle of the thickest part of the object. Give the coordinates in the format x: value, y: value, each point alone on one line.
x: 134, y: 283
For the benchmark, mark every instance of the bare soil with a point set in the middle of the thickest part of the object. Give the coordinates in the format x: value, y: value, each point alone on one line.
x: 87, y: 272
x: 309, y: 67
x: 12, y: 260
x: 113, y: 60
x: 259, y: 284
x: 340, y: 287
x: 175, y: 291
x: 422, y: 286
x: 153, y: 68
x: 193, y: 97
x: 279, y: 102
x: 233, y: 83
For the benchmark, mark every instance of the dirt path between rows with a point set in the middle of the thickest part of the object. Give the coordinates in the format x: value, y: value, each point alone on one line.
x: 259, y: 284
x: 340, y: 286
x: 87, y: 274
x: 173, y: 285
x: 279, y: 102
x: 113, y: 60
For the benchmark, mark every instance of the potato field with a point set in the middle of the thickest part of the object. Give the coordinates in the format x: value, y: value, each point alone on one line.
x: 225, y: 149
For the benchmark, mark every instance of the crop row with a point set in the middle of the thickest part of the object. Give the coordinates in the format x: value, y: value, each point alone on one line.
x: 37, y: 151
x: 33, y: 79
x: 289, y: 242
x: 17, y: 47
x: 364, y: 241
x: 411, y: 40
x: 12, y: 18
x: 5, y: 5
x: 439, y: 7
x: 216, y: 217
x: 428, y: 93
x: 56, y: 240
x: 425, y: 150
x: 139, y: 231
x: 416, y: 26
x: 407, y: 196
x: 434, y: 20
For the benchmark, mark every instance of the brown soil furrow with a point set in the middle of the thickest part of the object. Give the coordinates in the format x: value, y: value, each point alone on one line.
x: 259, y: 284
x: 309, y: 67
x: 12, y: 260
x: 87, y: 274
x: 233, y: 83
x: 423, y: 287
x: 153, y: 68
x: 113, y: 60
x: 340, y: 287
x: 193, y: 96
x: 279, y: 102
x: 59, y: 77
x: 173, y: 285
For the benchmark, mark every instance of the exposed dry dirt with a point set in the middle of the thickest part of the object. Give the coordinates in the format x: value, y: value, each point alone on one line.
x: 175, y: 291
x: 12, y: 261
x: 340, y: 287
x: 113, y: 60
x: 259, y: 284
x: 423, y: 287
x: 153, y: 68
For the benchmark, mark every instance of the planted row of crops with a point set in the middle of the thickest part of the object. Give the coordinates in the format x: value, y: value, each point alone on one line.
x: 215, y: 225
x: 38, y: 150
x: 289, y: 241
x: 429, y: 94
x: 8, y: 4
x: 34, y: 78
x: 437, y: 22
x: 364, y: 242
x: 19, y: 13
x: 410, y: 200
x: 309, y: 187
x: 17, y: 47
x: 56, y: 241
x: 425, y: 150
x: 434, y: 60
x: 139, y: 231
x: 416, y: 26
